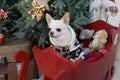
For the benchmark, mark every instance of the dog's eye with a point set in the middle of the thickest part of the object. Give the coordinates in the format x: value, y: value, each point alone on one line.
x: 58, y: 29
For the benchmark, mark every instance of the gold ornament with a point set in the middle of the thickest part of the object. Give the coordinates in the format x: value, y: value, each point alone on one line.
x: 37, y: 10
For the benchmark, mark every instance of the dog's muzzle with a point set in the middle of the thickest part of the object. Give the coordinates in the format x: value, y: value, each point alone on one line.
x: 51, y: 34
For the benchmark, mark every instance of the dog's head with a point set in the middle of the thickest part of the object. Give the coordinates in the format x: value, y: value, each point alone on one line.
x: 57, y: 27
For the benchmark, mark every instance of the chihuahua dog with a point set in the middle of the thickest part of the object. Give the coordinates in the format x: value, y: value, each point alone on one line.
x: 63, y: 38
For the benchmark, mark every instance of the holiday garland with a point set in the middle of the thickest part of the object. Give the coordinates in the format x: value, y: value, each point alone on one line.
x: 31, y: 23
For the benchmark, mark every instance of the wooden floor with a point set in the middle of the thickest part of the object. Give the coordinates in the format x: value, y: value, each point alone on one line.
x: 117, y: 65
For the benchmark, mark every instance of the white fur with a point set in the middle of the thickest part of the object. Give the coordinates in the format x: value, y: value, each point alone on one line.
x: 66, y: 36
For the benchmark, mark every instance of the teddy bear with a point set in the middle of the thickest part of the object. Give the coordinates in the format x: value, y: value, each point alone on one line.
x: 99, y: 40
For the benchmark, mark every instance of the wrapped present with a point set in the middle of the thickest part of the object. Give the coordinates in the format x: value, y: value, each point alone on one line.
x: 9, y: 47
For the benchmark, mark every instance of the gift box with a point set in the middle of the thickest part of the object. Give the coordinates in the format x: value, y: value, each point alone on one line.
x: 10, y: 46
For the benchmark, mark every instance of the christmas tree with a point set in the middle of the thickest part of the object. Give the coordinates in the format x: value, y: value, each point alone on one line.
x: 8, y: 13
x: 78, y: 10
x: 31, y: 23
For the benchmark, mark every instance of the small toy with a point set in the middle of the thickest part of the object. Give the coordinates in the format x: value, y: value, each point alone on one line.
x: 99, y: 40
x: 86, y: 34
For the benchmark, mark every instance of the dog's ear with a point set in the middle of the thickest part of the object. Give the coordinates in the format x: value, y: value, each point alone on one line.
x: 66, y: 18
x: 48, y: 18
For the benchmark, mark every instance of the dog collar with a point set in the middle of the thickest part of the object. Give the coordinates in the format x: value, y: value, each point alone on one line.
x: 66, y: 49
x: 62, y: 49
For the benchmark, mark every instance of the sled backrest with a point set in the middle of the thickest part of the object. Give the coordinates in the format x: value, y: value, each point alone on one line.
x: 51, y: 64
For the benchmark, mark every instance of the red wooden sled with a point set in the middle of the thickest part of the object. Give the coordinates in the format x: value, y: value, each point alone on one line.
x: 97, y: 66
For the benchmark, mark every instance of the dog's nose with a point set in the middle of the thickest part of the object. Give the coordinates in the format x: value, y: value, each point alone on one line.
x: 51, y: 33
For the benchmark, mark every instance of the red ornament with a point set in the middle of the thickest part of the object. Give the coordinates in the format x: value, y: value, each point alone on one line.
x: 1, y: 38
x: 113, y: 0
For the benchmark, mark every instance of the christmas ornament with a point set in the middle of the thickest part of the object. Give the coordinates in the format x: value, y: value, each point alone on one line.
x: 113, y: 10
x: 1, y: 38
x: 3, y: 15
x: 37, y: 10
